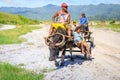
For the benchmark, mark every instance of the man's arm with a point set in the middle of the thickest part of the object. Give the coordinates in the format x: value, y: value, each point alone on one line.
x: 69, y: 26
x: 53, y: 19
x: 86, y: 20
x: 50, y: 30
x: 54, y: 16
x: 68, y: 19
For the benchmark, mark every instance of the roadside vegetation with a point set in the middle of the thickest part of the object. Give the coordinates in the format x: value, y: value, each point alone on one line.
x: 12, y: 36
x: 22, y: 27
x: 6, y: 18
x: 9, y: 72
x: 110, y: 25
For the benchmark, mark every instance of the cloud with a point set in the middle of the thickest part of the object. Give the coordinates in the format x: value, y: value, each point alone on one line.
x: 11, y: 2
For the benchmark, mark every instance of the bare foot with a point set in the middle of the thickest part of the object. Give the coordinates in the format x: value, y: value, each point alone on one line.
x: 89, y: 55
x: 82, y: 52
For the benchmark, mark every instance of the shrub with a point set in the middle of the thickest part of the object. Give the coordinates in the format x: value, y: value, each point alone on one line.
x: 112, y: 22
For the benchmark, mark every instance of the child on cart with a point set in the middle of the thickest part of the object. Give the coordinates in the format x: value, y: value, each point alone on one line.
x: 79, y: 40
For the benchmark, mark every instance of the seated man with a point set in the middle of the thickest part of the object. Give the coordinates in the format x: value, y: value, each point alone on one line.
x: 84, y: 21
x: 79, y: 40
x: 61, y: 19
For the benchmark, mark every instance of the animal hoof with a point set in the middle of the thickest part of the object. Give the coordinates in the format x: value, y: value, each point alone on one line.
x: 62, y: 64
x: 51, y: 59
x: 56, y: 64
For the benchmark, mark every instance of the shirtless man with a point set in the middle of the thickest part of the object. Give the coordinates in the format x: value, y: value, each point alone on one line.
x: 61, y: 16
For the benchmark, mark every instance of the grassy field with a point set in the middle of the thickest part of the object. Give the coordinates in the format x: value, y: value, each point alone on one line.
x: 6, y: 18
x: 114, y: 26
x: 108, y: 25
x: 9, y: 72
x: 12, y: 36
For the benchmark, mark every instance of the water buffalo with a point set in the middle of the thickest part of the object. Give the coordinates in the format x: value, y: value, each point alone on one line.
x: 58, y: 42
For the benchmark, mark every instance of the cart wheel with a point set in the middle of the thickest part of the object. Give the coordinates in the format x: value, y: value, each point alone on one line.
x: 90, y: 47
x: 86, y: 55
x: 92, y: 41
x: 72, y: 59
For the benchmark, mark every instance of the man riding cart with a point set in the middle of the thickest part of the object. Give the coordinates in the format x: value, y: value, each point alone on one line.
x: 61, y: 19
x: 84, y: 21
x: 86, y: 33
x: 59, y: 38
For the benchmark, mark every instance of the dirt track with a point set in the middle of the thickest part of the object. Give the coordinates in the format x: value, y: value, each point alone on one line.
x: 6, y: 27
x: 33, y: 55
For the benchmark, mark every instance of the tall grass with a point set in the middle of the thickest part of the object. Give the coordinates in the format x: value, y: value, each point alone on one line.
x: 114, y: 27
x: 9, y: 72
x: 106, y: 25
x: 12, y: 36
x: 6, y: 18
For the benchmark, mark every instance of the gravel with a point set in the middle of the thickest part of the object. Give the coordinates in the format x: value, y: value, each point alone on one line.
x: 33, y: 55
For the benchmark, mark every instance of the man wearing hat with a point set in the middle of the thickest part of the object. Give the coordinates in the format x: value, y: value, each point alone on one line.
x: 61, y: 18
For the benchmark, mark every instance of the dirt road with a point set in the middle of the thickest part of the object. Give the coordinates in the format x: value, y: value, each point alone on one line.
x: 6, y: 27
x: 33, y: 55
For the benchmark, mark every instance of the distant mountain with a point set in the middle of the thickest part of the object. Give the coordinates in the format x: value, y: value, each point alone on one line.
x: 94, y: 12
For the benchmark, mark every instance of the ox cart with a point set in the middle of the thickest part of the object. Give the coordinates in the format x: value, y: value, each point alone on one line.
x: 87, y: 38
x: 59, y: 41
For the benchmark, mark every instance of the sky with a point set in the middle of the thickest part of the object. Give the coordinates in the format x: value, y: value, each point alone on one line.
x: 40, y: 3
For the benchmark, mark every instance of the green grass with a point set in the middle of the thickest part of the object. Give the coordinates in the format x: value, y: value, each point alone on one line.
x: 113, y: 27
x: 9, y: 72
x: 106, y: 25
x: 6, y: 18
x: 12, y: 36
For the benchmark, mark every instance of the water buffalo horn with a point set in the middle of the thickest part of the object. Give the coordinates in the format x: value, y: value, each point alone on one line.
x: 60, y: 43
x: 47, y: 40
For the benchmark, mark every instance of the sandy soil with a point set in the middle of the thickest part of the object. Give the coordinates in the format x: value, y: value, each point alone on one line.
x: 33, y: 55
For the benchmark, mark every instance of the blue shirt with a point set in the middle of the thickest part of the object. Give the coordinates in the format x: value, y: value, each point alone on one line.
x: 84, y: 20
x: 77, y: 37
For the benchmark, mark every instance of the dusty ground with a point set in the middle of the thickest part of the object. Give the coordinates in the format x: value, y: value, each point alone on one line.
x: 33, y: 55
x: 6, y: 27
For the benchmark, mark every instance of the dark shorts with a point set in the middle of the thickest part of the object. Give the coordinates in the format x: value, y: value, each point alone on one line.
x: 87, y: 28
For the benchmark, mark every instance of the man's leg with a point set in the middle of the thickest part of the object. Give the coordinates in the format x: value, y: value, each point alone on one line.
x: 88, y: 50
x: 87, y: 28
x: 69, y: 31
x: 82, y: 48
